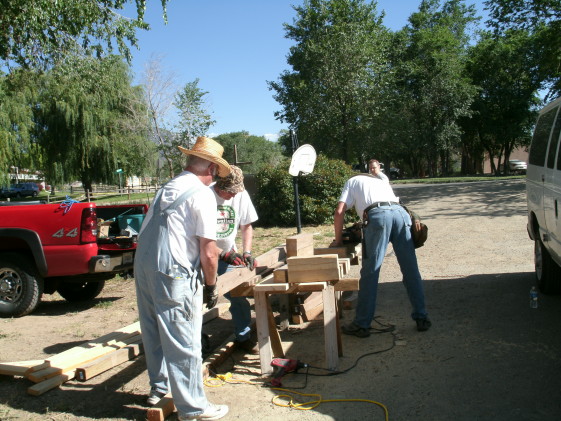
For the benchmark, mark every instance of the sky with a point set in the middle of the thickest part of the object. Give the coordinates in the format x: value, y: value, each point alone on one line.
x: 234, y: 47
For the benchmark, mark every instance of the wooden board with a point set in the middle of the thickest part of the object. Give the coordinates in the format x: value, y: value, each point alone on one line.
x: 339, y: 251
x: 300, y: 245
x: 280, y: 275
x: 313, y: 268
x: 100, y: 365
x: 18, y: 368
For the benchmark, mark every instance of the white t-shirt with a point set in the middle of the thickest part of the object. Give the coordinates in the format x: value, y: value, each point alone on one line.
x: 194, y: 217
x: 361, y: 191
x: 231, y: 214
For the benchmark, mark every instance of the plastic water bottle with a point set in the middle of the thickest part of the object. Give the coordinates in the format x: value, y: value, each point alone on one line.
x: 533, y: 298
x: 175, y: 272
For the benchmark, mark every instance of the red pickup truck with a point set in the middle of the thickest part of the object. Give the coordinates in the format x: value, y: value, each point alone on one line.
x: 72, y: 248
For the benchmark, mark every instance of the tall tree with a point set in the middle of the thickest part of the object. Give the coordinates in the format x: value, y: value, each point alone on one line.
x: 83, y: 122
x: 542, y: 18
x: 504, y: 109
x: 40, y: 32
x: 254, y: 152
x: 434, y: 92
x: 339, y: 80
x: 19, y: 92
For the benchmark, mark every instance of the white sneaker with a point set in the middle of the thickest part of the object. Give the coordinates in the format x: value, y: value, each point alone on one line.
x: 154, y: 397
x: 212, y: 412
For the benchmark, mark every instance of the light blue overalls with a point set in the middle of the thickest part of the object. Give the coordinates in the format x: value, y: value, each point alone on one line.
x: 170, y: 313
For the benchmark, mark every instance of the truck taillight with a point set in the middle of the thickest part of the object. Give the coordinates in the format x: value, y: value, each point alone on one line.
x: 88, y: 228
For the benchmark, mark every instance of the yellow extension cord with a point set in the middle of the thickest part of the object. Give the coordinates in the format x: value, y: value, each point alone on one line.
x: 220, y: 379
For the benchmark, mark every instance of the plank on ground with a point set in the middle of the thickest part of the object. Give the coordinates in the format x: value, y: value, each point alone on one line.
x: 46, y: 385
x: 107, y: 362
x: 18, y: 368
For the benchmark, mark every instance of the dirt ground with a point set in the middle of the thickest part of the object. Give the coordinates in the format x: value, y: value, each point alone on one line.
x: 488, y: 356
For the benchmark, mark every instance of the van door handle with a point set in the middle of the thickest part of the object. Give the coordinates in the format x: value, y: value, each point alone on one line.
x: 556, y: 210
x: 543, y: 178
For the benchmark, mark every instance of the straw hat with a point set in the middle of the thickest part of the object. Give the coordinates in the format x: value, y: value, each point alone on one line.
x: 212, y: 151
x: 232, y: 183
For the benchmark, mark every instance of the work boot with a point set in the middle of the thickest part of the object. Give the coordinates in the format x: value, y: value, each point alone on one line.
x: 212, y: 412
x: 353, y: 329
x: 423, y: 324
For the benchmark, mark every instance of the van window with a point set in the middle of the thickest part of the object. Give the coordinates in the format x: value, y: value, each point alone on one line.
x: 541, y: 136
x: 553, y: 143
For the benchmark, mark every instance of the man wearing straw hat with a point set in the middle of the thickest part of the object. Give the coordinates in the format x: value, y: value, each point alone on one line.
x: 235, y: 210
x: 176, y: 243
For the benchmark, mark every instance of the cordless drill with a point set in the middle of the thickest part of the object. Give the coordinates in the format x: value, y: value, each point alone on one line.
x: 284, y: 366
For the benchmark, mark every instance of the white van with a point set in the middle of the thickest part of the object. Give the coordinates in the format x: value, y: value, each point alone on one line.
x: 543, y: 189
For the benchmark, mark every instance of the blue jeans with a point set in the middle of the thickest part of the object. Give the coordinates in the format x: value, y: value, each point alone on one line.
x: 388, y: 224
x: 239, y: 309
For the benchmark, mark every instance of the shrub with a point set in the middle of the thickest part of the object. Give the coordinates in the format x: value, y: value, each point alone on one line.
x: 318, y: 193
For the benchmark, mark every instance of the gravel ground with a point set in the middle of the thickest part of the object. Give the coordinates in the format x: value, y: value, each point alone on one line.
x: 488, y: 356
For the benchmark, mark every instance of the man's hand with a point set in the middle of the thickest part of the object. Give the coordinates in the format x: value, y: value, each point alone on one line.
x: 249, y: 260
x: 232, y: 258
x: 211, y: 296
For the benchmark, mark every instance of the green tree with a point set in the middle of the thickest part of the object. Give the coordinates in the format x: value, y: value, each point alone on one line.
x: 19, y: 92
x: 84, y: 122
x: 339, y: 81
x: 433, y: 90
x: 542, y: 18
x: 253, y: 152
x: 194, y: 119
x: 41, y: 32
x: 504, y: 109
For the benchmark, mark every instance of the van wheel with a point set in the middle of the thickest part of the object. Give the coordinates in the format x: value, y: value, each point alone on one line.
x: 548, y: 273
x: 76, y: 291
x: 20, y: 288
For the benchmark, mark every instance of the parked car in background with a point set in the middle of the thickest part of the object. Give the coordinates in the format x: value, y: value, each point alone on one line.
x: 517, y: 166
x: 24, y: 189
x: 4, y: 192
x: 395, y: 173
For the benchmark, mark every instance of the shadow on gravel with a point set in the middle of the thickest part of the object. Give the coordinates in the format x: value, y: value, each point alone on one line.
x: 63, y: 307
x: 492, y: 199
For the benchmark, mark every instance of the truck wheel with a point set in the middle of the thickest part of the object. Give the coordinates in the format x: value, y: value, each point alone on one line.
x: 20, y: 288
x: 75, y: 291
x: 548, y: 273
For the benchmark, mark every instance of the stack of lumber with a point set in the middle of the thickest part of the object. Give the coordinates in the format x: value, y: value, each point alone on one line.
x: 313, y: 267
x: 81, y: 362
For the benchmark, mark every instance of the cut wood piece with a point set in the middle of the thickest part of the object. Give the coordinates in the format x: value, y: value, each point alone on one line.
x: 330, y: 328
x: 300, y: 245
x: 92, y: 354
x: 339, y: 251
x: 215, y: 312
x: 38, y: 367
x: 46, y: 385
x: 100, y: 365
x: 314, y: 268
x: 281, y: 274
x: 312, y: 313
x: 347, y: 284
x: 46, y: 373
x: 18, y: 368
x: 161, y: 410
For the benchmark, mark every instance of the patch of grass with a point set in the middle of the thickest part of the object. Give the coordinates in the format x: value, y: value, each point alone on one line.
x: 104, y: 305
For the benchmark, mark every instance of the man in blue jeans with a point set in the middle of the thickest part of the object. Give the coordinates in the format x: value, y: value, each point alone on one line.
x: 385, y: 221
x: 235, y: 210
